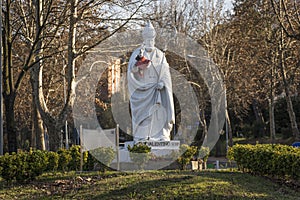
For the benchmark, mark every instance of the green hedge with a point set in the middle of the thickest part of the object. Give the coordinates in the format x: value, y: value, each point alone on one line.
x: 26, y: 166
x: 23, y: 166
x: 265, y: 159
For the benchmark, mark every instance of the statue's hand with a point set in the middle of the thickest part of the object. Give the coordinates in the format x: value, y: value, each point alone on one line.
x: 160, y: 85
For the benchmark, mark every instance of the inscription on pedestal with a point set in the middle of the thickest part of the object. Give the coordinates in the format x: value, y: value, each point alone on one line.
x: 173, y: 144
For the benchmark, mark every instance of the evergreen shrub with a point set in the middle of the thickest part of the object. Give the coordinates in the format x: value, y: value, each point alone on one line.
x: 26, y: 166
x: 281, y: 161
x: 53, y: 159
x: 74, y: 163
x: 23, y: 166
x: 64, y: 158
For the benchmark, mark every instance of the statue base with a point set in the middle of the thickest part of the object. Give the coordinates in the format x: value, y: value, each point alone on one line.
x: 172, y: 144
x: 158, y: 148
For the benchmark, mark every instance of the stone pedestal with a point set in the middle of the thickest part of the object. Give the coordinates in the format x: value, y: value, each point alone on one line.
x: 158, y: 148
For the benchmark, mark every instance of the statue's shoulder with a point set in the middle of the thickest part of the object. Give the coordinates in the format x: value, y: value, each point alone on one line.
x: 135, y: 53
x: 160, y: 55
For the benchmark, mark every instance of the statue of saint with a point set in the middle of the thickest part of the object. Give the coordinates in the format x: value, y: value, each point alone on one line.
x: 150, y: 88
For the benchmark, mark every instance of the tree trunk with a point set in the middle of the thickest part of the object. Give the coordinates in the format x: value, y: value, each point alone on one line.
x: 10, y: 124
x: 72, y: 54
x: 229, y: 128
x: 8, y: 90
x: 271, y: 109
x: 272, y: 121
x: 55, y: 137
x: 228, y: 122
x: 40, y: 110
x: 290, y: 108
x: 54, y: 124
x: 204, y: 125
x: 33, y: 126
x: 259, y: 118
x: 35, y: 75
x: 38, y: 139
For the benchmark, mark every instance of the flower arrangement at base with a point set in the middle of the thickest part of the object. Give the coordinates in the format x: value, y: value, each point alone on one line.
x: 140, y: 154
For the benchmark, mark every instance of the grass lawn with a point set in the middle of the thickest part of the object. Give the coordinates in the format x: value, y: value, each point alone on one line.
x: 149, y: 185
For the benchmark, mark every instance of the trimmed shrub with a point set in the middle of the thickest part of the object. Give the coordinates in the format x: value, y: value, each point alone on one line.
x: 53, y: 159
x: 7, y: 163
x: 26, y: 166
x: 265, y: 159
x: 63, y: 159
x: 23, y: 166
x: 37, y: 162
x: 69, y: 159
x: 74, y: 163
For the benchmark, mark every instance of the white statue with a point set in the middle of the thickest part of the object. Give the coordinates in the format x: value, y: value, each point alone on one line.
x: 150, y: 88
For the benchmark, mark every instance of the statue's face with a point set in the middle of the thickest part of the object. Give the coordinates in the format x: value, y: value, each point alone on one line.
x: 149, y: 43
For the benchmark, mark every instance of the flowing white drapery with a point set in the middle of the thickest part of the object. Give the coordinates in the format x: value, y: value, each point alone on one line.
x: 151, y: 98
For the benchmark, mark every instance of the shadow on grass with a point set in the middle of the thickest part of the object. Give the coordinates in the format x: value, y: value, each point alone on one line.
x: 201, y: 185
x: 142, y: 189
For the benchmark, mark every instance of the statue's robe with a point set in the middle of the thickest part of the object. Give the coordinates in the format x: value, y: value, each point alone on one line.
x: 152, y: 109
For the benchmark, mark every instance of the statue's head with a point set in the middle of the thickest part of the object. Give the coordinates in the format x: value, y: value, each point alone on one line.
x: 149, y: 35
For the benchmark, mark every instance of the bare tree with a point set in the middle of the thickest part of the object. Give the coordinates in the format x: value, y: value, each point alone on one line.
x: 38, y: 138
x: 287, y: 12
x: 202, y: 21
x: 14, y: 75
x: 80, y: 12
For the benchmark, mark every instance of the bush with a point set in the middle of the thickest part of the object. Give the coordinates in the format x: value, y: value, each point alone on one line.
x: 105, y: 155
x: 23, y: 166
x: 140, y: 154
x: 74, y: 163
x: 64, y: 159
x: 70, y: 159
x: 90, y: 163
x: 37, y: 163
x: 266, y: 159
x: 7, y: 163
x: 26, y: 166
x: 53, y: 159
x: 187, y: 153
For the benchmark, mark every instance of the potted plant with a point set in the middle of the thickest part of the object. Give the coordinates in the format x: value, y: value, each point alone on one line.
x: 139, y: 154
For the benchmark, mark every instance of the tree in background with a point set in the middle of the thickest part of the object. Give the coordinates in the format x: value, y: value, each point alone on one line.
x: 45, y: 41
x: 257, y: 40
x: 45, y: 37
x: 199, y: 20
x: 288, y: 16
